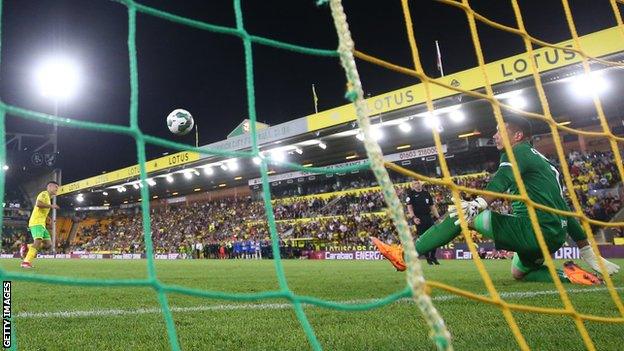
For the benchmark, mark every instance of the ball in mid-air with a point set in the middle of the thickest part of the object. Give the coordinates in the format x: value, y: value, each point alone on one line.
x: 180, y: 122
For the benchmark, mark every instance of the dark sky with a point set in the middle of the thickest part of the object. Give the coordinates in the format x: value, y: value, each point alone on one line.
x: 203, y: 72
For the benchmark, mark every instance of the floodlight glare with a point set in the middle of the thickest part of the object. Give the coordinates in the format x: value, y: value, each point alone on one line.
x: 233, y: 166
x: 432, y: 121
x: 278, y: 155
x: 58, y: 77
x: 169, y: 178
x: 256, y: 160
x: 405, y: 127
x: 377, y: 133
x: 586, y: 85
x: 517, y: 101
x: 208, y: 171
x: 188, y: 175
x: 457, y: 116
x: 322, y: 145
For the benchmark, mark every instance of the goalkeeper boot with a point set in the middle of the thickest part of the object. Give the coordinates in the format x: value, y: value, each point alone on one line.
x: 592, y: 260
x: 26, y: 265
x: 577, y: 275
x: 394, y: 253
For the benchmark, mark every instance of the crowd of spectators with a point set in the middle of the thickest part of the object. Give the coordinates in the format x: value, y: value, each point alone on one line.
x: 592, y: 174
x: 593, y: 171
x: 325, y: 186
x: 237, y: 228
x: 602, y: 208
x: 173, y: 228
x: 347, y: 204
x: 12, y: 237
x: 311, y: 221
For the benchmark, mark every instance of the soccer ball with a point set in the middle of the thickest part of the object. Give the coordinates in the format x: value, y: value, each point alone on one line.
x: 180, y: 122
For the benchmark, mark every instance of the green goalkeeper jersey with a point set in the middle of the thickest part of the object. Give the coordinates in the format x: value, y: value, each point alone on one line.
x: 541, y: 179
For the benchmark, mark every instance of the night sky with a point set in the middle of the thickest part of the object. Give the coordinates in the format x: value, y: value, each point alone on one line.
x: 203, y: 72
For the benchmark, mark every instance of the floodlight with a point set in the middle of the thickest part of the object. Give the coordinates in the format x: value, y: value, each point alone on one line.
x: 405, y: 127
x: 58, y: 77
x: 457, y: 116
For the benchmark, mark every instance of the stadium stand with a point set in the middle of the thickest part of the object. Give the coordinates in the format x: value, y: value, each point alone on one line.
x: 348, y: 214
x: 335, y: 211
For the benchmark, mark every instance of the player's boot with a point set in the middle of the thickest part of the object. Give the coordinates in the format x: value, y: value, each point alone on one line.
x: 23, y: 250
x: 577, y: 275
x: 394, y: 253
x: 26, y: 265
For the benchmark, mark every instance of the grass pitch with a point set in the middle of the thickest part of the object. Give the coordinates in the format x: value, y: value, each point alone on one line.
x: 53, y: 317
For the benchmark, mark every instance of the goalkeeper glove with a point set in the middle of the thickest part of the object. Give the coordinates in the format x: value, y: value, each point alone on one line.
x: 471, y: 209
x: 587, y: 254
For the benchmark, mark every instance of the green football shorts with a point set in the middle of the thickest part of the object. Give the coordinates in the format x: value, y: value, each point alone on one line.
x: 516, y: 234
x: 39, y: 232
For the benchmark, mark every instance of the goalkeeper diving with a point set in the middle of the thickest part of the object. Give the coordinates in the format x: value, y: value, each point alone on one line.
x: 514, y: 232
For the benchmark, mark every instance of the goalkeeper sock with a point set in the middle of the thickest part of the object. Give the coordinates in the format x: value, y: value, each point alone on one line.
x: 32, y: 253
x: 438, y: 235
x: 542, y: 275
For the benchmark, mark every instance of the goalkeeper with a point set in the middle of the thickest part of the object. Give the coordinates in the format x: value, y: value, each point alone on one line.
x: 514, y: 232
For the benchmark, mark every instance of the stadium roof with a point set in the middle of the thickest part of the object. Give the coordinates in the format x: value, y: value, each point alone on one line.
x: 300, y: 140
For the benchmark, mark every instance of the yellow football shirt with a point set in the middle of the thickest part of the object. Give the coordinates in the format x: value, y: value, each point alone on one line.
x: 39, y: 215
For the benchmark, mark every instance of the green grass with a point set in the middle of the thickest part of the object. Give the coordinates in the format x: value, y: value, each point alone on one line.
x: 399, y: 326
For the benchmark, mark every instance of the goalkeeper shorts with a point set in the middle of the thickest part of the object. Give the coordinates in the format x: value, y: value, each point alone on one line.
x: 516, y: 234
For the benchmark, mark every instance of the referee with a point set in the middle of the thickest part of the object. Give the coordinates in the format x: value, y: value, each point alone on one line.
x: 423, y: 211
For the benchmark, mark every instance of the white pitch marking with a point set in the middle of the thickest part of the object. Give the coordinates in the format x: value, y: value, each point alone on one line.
x: 273, y: 306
